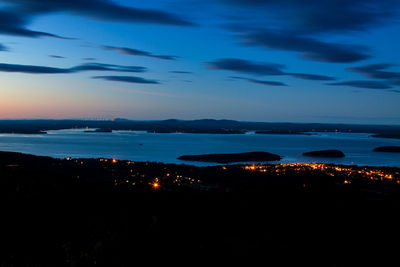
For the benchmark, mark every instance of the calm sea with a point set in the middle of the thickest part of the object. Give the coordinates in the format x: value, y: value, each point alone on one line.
x: 143, y: 146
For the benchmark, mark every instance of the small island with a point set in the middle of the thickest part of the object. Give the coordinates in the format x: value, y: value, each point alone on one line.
x: 233, y: 157
x: 392, y: 149
x: 332, y: 153
x: 392, y: 135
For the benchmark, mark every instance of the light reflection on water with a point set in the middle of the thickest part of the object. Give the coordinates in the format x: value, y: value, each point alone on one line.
x: 142, y: 146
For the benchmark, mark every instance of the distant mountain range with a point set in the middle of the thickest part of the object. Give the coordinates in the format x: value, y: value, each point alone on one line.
x: 37, y: 126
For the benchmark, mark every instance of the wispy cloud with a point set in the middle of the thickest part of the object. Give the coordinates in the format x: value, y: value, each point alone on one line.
x: 32, y: 69
x: 376, y: 71
x: 262, y: 82
x: 3, y: 48
x: 180, y: 72
x: 104, y: 10
x: 363, y: 84
x: 309, y: 48
x: 261, y: 69
x: 136, y: 52
x: 126, y: 79
x: 312, y: 77
x: 56, y: 56
x: 315, y: 16
x: 14, y: 23
x: 245, y: 66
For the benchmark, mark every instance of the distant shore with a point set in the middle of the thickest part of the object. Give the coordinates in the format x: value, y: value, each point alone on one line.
x: 206, y: 126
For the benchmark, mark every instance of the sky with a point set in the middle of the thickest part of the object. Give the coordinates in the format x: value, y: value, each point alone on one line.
x: 328, y: 61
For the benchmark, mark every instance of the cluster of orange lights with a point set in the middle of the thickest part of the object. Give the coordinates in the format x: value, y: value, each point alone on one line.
x: 327, y: 168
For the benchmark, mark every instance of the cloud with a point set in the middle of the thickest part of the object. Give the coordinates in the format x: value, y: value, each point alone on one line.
x: 12, y: 23
x: 107, y: 67
x: 3, y: 48
x: 136, y: 52
x: 314, y: 16
x: 127, y: 79
x: 245, y: 66
x: 31, y: 69
x: 56, y: 56
x: 375, y: 71
x: 180, y: 72
x: 261, y: 69
x: 378, y: 71
x: 395, y: 81
x: 306, y: 26
x: 310, y: 48
x: 363, y: 84
x: 262, y: 82
x: 312, y: 77
x: 104, y: 10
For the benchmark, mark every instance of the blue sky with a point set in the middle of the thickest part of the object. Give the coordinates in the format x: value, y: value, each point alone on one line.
x: 254, y: 60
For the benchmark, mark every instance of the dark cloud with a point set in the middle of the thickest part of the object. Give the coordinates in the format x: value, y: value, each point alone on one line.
x: 245, y: 66
x: 127, y: 79
x: 305, y: 26
x: 56, y: 56
x: 312, y: 77
x: 88, y: 58
x: 262, y: 69
x: 376, y: 71
x: 363, y: 84
x: 12, y: 23
x: 313, y: 16
x: 3, y: 48
x: 180, y: 72
x: 105, y: 10
x: 395, y: 81
x: 31, y: 69
x: 262, y: 82
x: 310, y: 48
x: 107, y: 67
x: 136, y: 52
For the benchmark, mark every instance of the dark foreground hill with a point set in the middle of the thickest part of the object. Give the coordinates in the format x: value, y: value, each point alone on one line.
x: 99, y: 212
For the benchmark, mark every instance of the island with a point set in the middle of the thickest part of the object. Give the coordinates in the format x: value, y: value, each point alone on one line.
x: 392, y: 136
x: 233, y: 157
x: 332, y: 153
x: 392, y: 149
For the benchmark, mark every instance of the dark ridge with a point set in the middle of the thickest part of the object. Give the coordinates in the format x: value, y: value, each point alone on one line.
x: 233, y: 157
x: 325, y: 154
x: 393, y: 149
